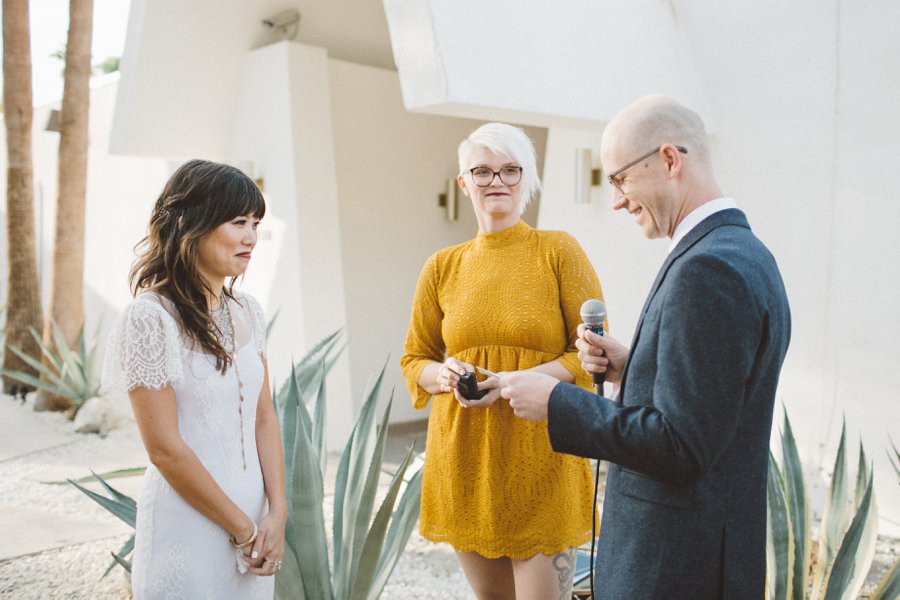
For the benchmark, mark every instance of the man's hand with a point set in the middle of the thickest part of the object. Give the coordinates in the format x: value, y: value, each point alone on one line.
x: 528, y: 393
x: 601, y: 354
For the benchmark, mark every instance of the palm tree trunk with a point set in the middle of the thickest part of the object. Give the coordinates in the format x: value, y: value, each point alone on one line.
x: 24, y: 303
x: 67, y: 276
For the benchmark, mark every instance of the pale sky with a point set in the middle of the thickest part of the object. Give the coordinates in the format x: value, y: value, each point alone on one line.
x: 49, y: 26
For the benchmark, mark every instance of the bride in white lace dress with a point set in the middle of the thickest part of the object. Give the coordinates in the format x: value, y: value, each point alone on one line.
x: 190, y: 351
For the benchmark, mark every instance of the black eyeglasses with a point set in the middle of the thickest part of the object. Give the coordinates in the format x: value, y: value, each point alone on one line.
x: 484, y: 176
x: 614, y: 177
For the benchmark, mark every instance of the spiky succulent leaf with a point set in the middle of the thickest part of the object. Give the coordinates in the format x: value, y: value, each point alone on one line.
x: 64, y: 372
x: 320, y: 426
x: 798, y: 504
x: 834, y: 515
x: 288, y: 583
x: 305, y: 531
x: 120, y: 556
x: 126, y: 564
x: 124, y: 510
x: 287, y: 402
x: 779, y: 537
x: 854, y: 557
x: 354, y: 503
x: 50, y: 379
x: 862, y: 477
x: 374, y: 539
x: 116, y: 474
x: 367, y: 498
x: 383, y: 545
x: 35, y: 382
x: 889, y: 586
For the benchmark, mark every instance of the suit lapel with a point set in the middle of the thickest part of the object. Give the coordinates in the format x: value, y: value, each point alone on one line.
x: 731, y: 216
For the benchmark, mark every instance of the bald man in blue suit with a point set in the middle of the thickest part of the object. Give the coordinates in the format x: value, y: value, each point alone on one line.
x: 684, y: 515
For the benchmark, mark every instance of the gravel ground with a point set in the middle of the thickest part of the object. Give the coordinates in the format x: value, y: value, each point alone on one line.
x: 427, y: 571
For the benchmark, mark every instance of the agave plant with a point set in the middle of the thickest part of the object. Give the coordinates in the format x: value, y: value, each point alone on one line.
x: 365, y: 547
x: 69, y: 373
x: 846, y: 542
x: 119, y: 504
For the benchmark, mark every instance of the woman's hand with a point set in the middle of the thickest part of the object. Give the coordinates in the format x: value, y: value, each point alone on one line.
x: 492, y: 384
x: 449, y: 373
x: 267, y: 553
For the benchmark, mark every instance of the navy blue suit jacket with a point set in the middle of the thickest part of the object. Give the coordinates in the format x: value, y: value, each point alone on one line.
x: 685, y: 509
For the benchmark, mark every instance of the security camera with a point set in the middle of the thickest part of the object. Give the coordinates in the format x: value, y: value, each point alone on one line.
x: 282, y: 20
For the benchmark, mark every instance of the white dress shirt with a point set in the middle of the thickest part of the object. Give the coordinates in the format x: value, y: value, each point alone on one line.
x: 693, y: 218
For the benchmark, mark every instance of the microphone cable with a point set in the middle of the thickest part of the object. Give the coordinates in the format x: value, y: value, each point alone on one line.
x: 594, y: 526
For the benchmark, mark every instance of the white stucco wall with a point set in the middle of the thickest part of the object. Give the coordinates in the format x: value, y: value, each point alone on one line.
x: 540, y: 62
x: 156, y: 118
x: 182, y: 66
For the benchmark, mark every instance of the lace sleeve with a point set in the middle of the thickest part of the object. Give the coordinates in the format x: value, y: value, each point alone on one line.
x: 144, y: 349
x: 258, y: 321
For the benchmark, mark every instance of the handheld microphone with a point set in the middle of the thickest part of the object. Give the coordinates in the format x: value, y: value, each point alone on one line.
x: 593, y: 313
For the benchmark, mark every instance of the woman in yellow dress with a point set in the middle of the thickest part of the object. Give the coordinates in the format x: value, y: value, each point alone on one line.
x: 507, y: 300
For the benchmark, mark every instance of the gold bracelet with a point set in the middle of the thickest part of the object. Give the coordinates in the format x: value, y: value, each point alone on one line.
x: 248, y: 542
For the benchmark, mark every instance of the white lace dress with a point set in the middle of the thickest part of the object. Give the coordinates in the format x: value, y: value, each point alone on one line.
x: 179, y: 553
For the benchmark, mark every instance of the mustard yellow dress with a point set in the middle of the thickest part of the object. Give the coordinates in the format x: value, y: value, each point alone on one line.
x: 505, y: 301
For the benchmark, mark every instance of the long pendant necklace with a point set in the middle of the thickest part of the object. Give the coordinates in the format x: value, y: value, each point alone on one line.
x: 233, y: 352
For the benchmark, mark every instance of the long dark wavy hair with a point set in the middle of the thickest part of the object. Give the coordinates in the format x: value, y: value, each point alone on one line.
x: 199, y: 196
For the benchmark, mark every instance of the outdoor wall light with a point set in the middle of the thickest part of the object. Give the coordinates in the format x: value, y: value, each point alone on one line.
x: 449, y: 201
x: 586, y: 176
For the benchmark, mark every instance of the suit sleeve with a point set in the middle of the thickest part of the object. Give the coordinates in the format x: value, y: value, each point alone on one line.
x: 708, y: 329
x: 577, y: 282
x: 424, y: 340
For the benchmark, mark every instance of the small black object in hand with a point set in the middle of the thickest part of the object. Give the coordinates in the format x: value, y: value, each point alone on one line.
x: 468, y: 387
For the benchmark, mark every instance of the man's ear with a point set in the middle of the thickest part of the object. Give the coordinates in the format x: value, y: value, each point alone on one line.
x: 673, y: 159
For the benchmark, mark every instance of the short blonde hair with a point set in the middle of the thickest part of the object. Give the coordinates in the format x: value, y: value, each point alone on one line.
x: 511, y: 141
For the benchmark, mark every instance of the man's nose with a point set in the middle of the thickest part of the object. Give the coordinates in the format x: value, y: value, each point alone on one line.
x: 618, y: 199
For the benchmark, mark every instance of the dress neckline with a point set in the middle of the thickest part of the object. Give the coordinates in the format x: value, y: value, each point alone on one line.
x: 169, y: 307
x: 236, y: 352
x: 506, y: 237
